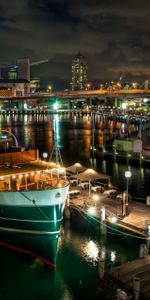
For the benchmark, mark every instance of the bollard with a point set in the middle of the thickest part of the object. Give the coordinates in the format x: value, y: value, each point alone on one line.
x: 103, y: 214
x: 102, y: 219
x: 136, y: 287
x: 103, y: 229
x: 101, y: 268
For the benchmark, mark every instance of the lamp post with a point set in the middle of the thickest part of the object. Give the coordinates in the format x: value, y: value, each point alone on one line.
x: 128, y: 175
x: 49, y: 89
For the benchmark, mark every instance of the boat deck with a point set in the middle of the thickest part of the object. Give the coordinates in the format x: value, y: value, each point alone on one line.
x: 31, y: 175
x: 31, y: 166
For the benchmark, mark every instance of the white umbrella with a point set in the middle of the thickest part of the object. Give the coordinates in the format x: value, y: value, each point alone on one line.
x: 90, y: 175
x: 75, y: 168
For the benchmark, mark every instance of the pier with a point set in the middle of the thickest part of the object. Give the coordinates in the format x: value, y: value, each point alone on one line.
x: 140, y: 159
x: 131, y: 278
x: 134, y: 277
x: 136, y: 220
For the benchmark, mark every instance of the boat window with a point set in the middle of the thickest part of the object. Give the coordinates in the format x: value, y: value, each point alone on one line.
x: 58, y: 195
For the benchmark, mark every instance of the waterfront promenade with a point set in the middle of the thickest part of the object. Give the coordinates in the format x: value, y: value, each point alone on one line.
x: 136, y: 220
x: 133, y: 276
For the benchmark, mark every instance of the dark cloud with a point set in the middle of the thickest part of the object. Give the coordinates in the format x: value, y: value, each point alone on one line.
x: 113, y: 35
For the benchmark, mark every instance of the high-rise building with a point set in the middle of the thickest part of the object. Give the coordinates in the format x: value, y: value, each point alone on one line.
x: 23, y: 68
x: 79, y: 73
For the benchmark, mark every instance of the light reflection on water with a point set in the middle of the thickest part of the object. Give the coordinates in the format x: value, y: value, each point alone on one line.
x: 75, y: 136
x: 79, y: 251
x: 101, y: 243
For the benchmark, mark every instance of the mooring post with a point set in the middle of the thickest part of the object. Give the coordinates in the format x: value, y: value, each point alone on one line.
x: 102, y: 220
x: 101, y: 268
x: 136, y: 287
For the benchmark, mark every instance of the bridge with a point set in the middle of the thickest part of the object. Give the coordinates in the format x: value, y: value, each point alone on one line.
x: 102, y: 94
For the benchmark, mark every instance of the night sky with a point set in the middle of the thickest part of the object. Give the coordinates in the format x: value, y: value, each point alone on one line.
x: 113, y: 35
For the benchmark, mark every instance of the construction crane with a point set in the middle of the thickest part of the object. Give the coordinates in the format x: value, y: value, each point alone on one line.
x: 36, y: 63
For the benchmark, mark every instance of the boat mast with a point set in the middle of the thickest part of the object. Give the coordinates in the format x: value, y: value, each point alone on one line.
x: 55, y: 154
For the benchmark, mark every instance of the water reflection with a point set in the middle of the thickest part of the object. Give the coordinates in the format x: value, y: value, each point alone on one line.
x: 75, y: 137
x: 91, y: 250
x: 113, y: 256
x: 81, y: 246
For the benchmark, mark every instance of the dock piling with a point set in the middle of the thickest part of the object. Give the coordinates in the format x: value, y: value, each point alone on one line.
x: 136, y: 287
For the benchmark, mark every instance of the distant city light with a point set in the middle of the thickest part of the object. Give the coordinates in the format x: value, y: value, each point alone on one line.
x: 56, y: 105
x: 25, y: 105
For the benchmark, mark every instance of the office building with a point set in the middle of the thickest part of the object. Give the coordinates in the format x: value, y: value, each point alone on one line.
x: 79, y: 73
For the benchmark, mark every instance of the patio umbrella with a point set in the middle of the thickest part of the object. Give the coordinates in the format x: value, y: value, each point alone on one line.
x: 90, y: 175
x: 75, y: 168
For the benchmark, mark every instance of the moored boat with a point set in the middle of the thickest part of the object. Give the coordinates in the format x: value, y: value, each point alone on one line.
x: 32, y: 199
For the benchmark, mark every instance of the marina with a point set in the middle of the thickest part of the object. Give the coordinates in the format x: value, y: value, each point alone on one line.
x: 75, y: 150
x: 132, y: 278
x: 78, y: 194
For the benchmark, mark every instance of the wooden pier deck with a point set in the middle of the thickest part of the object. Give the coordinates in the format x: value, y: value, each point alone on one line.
x: 140, y: 269
x: 136, y: 221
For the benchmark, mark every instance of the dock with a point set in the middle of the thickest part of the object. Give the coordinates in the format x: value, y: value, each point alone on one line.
x: 132, y: 278
x: 138, y: 270
x: 136, y: 221
x: 142, y: 159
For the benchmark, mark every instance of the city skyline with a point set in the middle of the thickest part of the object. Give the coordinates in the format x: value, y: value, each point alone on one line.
x: 112, y: 36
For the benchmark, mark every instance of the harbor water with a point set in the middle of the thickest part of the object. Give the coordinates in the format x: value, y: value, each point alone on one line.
x: 82, y: 243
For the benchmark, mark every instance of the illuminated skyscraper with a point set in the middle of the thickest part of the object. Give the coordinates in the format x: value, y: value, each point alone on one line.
x: 79, y: 73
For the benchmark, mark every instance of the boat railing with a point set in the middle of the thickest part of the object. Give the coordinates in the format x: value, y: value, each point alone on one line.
x: 36, y: 181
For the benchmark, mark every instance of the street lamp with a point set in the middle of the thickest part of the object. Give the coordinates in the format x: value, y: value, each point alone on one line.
x: 49, y: 88
x: 45, y: 155
x: 128, y: 175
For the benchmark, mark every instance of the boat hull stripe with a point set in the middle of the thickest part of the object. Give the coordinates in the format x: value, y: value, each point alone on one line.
x: 30, y: 231
x: 34, y: 221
